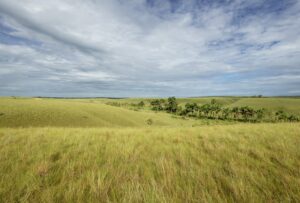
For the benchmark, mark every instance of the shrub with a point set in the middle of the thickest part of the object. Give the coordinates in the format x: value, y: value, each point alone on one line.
x: 149, y: 121
x: 157, y: 105
x: 281, y: 115
x: 293, y: 118
x: 141, y: 104
x: 191, y: 108
x: 172, y: 105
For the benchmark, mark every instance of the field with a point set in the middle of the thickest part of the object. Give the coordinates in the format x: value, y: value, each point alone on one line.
x: 83, y: 150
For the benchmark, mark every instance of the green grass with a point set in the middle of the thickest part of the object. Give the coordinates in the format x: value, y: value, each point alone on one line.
x: 24, y: 112
x: 236, y: 163
x: 290, y: 105
x: 82, y: 150
x: 182, y: 101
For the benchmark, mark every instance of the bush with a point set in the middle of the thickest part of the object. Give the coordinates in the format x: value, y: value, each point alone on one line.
x: 157, y: 105
x: 149, y: 121
x: 293, y: 118
x: 172, y: 105
x: 281, y: 115
x: 141, y: 104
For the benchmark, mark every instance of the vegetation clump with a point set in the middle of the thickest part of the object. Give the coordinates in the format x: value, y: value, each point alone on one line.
x: 149, y: 121
x: 141, y: 104
x: 157, y: 104
x: 214, y: 110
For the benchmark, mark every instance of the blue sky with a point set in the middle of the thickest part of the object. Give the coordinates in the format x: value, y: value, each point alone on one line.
x: 148, y: 48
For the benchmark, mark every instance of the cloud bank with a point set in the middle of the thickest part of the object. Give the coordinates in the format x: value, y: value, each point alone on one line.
x: 121, y: 48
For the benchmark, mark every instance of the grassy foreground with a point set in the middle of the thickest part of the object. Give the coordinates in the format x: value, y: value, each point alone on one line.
x: 233, y: 163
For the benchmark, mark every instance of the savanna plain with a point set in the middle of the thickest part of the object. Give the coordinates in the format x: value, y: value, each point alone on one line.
x: 213, y: 149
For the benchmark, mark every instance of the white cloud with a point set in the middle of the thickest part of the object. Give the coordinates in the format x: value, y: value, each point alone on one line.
x: 122, y: 44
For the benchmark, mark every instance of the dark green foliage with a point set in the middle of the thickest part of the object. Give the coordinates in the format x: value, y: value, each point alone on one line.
x: 172, y: 105
x: 213, y: 101
x: 213, y: 110
x: 204, y: 110
x: 293, y: 118
x: 247, y: 112
x: 157, y: 105
x: 141, y: 104
x: 191, y: 109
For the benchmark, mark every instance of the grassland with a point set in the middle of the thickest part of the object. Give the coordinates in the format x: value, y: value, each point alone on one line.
x: 288, y: 104
x: 36, y: 112
x: 42, y: 112
x: 82, y: 150
x: 236, y: 163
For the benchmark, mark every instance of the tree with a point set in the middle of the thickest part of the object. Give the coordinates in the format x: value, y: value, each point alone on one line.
x: 205, y: 109
x: 141, y: 104
x: 247, y: 112
x: 156, y: 105
x: 213, y: 101
x: 172, y: 105
x: 191, y: 109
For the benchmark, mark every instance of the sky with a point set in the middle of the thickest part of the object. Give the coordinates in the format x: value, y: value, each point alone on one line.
x: 149, y: 48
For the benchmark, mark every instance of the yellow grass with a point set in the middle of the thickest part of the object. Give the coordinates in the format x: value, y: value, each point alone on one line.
x: 235, y: 163
x: 82, y: 150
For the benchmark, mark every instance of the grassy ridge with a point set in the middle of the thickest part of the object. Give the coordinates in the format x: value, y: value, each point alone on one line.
x: 76, y: 113
x: 36, y: 112
x: 241, y: 163
x: 291, y: 105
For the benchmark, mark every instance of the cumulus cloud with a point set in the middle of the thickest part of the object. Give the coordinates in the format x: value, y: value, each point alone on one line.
x: 149, y: 47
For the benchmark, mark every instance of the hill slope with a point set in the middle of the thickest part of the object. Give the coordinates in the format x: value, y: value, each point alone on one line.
x: 291, y: 105
x: 35, y: 112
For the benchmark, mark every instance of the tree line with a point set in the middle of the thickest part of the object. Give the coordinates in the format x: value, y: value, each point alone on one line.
x: 213, y: 110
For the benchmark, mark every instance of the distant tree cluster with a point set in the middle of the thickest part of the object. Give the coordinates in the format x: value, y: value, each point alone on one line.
x: 157, y: 104
x: 114, y: 104
x: 170, y: 106
x: 213, y: 110
x: 136, y: 106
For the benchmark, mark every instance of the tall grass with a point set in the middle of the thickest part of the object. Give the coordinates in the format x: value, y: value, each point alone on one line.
x: 236, y: 163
